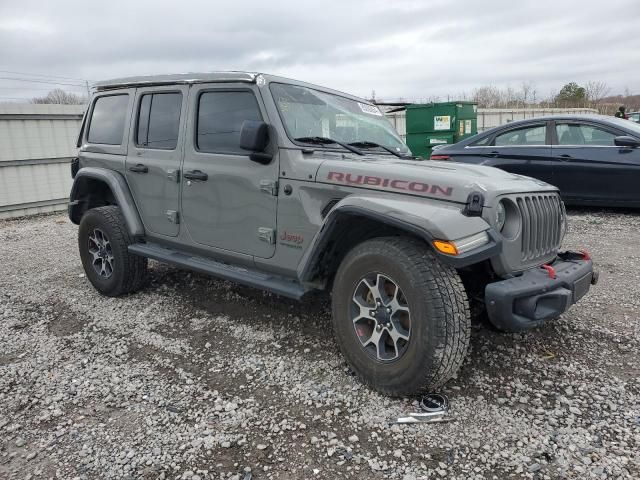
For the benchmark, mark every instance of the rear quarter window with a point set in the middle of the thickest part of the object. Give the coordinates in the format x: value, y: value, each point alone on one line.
x: 481, y: 142
x: 107, y: 120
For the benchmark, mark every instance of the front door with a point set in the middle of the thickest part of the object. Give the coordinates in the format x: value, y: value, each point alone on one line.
x: 229, y: 202
x: 154, y: 156
x: 589, y: 167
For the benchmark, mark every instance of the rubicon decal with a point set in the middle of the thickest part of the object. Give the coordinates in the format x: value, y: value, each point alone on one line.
x: 396, y: 184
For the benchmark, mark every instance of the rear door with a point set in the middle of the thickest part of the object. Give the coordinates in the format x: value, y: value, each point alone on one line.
x: 590, y: 168
x: 228, y: 201
x: 154, y: 156
x: 525, y: 150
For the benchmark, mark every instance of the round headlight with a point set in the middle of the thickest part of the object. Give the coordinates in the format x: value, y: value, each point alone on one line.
x: 501, y: 216
x: 563, y: 221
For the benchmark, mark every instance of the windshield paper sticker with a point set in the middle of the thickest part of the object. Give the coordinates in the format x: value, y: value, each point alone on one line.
x: 370, y: 109
x: 442, y: 122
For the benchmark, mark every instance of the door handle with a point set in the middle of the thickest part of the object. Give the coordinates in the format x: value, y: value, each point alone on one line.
x: 139, y: 168
x: 196, y: 175
x: 493, y: 154
x: 564, y: 157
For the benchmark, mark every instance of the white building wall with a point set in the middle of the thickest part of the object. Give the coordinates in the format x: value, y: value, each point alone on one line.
x: 37, y: 143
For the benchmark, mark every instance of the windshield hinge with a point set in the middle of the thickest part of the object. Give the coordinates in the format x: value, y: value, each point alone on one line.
x: 269, y: 186
x: 475, y: 203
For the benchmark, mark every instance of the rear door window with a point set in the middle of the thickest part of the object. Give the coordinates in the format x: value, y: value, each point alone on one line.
x: 159, y: 120
x: 220, y: 118
x: 583, y: 134
x: 108, y: 119
x: 535, y: 135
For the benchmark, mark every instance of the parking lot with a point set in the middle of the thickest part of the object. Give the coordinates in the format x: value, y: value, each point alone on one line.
x: 198, y: 378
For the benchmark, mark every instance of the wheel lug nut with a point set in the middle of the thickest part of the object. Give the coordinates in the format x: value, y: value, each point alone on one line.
x: 372, y: 313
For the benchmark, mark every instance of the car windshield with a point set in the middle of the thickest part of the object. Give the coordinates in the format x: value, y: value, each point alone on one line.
x: 309, y: 113
x: 629, y: 125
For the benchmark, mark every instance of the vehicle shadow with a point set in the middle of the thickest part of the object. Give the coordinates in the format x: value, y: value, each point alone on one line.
x: 500, y: 356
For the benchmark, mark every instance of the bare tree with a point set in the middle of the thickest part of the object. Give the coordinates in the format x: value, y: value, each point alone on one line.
x: 487, y: 97
x: 528, y: 93
x: 59, y: 96
x: 596, y: 91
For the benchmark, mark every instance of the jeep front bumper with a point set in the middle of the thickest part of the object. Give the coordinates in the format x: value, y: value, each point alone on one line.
x: 521, y: 303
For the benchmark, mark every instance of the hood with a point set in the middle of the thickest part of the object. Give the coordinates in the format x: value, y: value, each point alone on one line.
x: 445, y: 181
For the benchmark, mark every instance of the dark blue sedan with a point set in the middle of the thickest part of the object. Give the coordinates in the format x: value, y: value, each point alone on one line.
x: 592, y: 159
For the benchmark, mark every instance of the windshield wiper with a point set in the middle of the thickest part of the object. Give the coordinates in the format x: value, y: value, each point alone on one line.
x: 368, y: 144
x: 326, y: 141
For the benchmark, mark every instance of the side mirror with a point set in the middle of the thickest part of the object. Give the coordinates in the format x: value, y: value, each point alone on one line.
x: 626, y: 141
x: 254, y: 137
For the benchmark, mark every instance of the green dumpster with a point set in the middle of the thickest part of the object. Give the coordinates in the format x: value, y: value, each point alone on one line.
x: 422, y: 143
x: 431, y: 124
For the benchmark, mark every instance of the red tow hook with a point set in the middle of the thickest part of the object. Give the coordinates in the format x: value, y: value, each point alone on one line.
x: 585, y: 255
x: 550, y: 270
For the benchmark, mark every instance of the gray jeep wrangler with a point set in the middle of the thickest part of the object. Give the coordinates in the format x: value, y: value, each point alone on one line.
x: 292, y: 188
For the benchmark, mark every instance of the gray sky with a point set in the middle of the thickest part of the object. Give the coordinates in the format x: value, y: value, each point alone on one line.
x: 400, y: 48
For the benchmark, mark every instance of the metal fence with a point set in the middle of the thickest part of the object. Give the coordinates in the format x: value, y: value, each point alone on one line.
x: 494, y: 117
x: 37, y: 143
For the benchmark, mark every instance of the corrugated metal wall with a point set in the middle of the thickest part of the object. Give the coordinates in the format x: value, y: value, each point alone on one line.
x: 494, y: 117
x: 37, y: 142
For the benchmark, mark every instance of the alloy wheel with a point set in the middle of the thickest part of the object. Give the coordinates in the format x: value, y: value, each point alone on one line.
x: 381, y: 317
x: 101, y: 252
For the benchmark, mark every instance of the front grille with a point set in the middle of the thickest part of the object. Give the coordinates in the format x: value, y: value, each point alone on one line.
x: 542, y: 223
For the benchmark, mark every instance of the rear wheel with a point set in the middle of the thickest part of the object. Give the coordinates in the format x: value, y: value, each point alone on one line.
x: 401, y: 318
x: 103, y: 241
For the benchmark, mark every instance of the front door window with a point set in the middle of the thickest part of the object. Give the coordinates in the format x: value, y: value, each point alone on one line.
x: 583, y: 134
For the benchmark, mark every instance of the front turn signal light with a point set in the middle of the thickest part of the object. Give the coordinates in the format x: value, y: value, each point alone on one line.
x: 462, y: 245
x: 445, y: 247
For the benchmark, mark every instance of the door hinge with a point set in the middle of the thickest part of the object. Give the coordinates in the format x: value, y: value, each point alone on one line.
x: 267, y: 235
x: 269, y: 186
x: 173, y: 174
x: 173, y: 216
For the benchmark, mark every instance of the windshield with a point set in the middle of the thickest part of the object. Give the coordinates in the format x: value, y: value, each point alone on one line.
x: 311, y: 113
x: 628, y: 124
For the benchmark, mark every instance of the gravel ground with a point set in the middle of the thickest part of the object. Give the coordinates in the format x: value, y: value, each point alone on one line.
x: 198, y: 378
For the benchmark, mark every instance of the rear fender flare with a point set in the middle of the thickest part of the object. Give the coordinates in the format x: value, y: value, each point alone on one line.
x: 120, y: 190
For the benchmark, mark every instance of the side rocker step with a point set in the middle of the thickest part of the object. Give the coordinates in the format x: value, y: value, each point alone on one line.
x: 245, y: 276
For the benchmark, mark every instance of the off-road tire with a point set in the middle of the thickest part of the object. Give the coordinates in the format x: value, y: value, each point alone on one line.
x: 129, y: 271
x: 440, y: 318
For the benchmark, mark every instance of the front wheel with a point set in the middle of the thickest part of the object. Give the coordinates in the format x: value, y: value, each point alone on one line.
x: 401, y: 317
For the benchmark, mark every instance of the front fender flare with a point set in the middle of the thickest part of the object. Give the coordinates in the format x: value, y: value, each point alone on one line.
x: 120, y: 190
x: 427, y: 220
